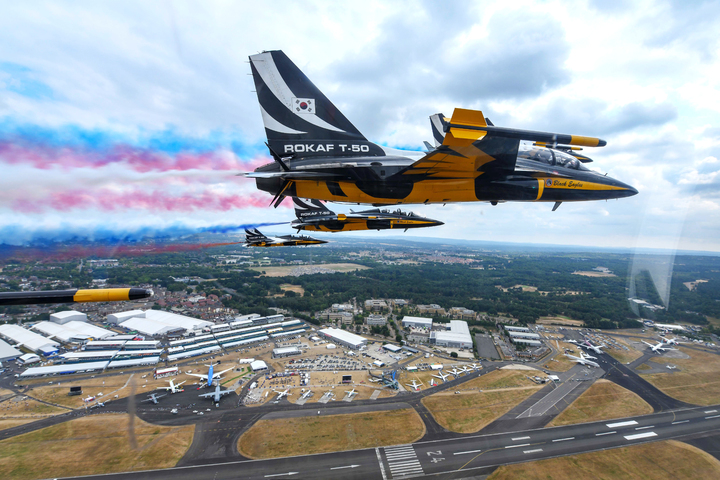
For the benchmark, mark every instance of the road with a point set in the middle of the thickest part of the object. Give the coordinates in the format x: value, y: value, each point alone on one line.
x: 456, y: 457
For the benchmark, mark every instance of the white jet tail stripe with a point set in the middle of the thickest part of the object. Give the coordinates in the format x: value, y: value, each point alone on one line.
x: 271, y: 76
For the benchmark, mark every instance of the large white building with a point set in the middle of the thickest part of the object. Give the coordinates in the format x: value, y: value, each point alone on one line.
x: 456, y: 336
x: 156, y: 322
x: 72, y: 331
x: 342, y: 337
x: 30, y: 340
x: 417, y: 322
x: 8, y: 352
x: 68, y: 316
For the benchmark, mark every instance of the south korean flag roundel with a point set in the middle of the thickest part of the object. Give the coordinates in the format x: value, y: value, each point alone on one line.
x: 303, y: 105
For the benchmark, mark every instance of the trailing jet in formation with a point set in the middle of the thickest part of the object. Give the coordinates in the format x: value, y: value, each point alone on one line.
x: 253, y: 238
x: 173, y: 388
x: 583, y: 359
x: 659, y: 348
x: 313, y: 215
x: 319, y: 154
x: 211, y: 375
x: 217, y: 394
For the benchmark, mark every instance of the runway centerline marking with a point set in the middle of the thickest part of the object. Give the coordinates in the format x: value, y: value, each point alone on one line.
x: 520, y: 438
x: 622, y: 424
x: 520, y: 445
x: 710, y: 411
x: 644, y: 428
x: 563, y: 439
x: 281, y: 474
x: 346, y: 466
x: 533, y: 451
x: 681, y: 421
x: 469, y: 451
x: 605, y: 433
x: 713, y: 416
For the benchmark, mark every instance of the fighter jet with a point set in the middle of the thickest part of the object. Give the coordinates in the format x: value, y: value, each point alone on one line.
x: 313, y: 215
x: 318, y: 153
x: 173, y: 388
x: 217, y: 394
x: 253, y: 238
x: 415, y: 385
x: 659, y: 348
x: 154, y: 398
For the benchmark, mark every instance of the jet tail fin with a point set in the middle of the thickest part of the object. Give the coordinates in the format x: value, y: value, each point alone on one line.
x: 300, y: 121
x: 310, y: 208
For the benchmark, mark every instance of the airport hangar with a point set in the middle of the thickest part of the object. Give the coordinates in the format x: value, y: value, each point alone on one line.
x: 344, y: 338
x: 8, y: 352
x: 30, y: 340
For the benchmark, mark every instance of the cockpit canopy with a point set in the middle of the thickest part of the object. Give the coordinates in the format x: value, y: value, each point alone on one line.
x: 550, y: 156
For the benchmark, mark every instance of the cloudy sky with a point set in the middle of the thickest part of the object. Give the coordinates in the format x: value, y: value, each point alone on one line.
x: 129, y: 117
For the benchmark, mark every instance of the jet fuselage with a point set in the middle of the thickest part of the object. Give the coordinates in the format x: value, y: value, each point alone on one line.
x: 380, y: 181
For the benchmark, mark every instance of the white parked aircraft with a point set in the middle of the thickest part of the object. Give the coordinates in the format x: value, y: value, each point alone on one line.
x: 659, y: 348
x: 590, y: 346
x: 582, y: 360
x: 154, y: 398
x: 173, y: 388
x: 442, y: 376
x: 455, y: 372
x: 211, y: 375
x: 350, y: 393
x: 671, y: 341
x: 416, y: 386
x: 285, y: 393
x: 217, y: 394
x: 475, y: 366
x: 306, y: 394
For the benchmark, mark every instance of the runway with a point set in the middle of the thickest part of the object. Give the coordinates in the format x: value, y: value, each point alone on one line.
x: 457, y: 457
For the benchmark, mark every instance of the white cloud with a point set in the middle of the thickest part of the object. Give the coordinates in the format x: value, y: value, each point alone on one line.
x: 642, y: 75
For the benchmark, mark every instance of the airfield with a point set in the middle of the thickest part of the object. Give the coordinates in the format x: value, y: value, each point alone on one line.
x: 484, y: 415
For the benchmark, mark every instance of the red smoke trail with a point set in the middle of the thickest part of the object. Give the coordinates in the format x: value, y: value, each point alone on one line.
x: 110, y: 200
x: 137, y: 159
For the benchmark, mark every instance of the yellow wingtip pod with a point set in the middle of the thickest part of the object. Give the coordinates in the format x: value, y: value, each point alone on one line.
x: 586, y: 141
x: 458, y: 136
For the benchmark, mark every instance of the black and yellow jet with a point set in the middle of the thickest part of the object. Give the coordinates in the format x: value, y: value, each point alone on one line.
x: 319, y: 154
x: 313, y: 215
x: 253, y: 238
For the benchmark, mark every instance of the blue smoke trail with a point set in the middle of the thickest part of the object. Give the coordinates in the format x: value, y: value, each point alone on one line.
x: 15, y: 235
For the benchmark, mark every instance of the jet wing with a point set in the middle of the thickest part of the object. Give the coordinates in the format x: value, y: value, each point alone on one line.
x: 471, y: 146
x: 220, y: 373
